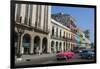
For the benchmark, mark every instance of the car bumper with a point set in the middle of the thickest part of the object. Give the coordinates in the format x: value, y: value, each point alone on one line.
x: 61, y: 57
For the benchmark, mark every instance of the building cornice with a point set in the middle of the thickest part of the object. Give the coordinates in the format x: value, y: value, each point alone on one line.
x: 57, y: 23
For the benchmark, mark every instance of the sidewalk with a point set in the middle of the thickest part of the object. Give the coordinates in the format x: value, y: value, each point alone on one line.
x: 36, y: 57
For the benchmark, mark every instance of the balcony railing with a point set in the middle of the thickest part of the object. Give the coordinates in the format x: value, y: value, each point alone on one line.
x: 24, y: 26
x: 29, y: 27
x: 58, y: 37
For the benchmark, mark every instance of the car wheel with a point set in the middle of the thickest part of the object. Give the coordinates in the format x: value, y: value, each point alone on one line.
x: 58, y: 59
x: 89, y: 57
x: 66, y: 58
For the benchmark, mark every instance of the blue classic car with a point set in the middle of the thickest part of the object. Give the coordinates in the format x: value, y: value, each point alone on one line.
x: 88, y: 54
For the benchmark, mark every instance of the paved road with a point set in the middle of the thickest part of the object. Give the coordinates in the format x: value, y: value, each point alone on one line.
x: 76, y: 58
x: 49, y: 59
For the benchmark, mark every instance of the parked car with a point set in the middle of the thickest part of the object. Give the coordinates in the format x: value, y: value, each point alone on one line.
x: 78, y: 50
x: 64, y: 55
x: 87, y: 54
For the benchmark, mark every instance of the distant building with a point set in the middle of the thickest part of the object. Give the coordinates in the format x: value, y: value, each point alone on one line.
x: 61, y: 18
x: 68, y: 21
x: 82, y: 40
x: 59, y: 37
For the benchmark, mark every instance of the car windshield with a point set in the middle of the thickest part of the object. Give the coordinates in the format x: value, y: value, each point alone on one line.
x: 84, y: 51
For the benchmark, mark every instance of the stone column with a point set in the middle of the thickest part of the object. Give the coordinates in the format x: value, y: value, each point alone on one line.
x: 31, y: 46
x: 40, y: 50
x: 48, y: 46
x: 21, y: 45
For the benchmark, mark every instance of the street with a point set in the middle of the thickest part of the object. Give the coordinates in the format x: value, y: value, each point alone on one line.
x: 49, y: 59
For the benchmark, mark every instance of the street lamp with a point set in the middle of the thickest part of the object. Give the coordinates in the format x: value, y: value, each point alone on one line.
x: 20, y: 32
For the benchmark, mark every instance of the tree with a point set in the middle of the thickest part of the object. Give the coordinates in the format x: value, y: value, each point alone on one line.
x: 87, y: 34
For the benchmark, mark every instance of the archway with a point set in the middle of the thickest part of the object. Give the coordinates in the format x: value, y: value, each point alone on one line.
x: 36, y: 45
x: 64, y: 46
x: 60, y: 46
x: 44, y: 45
x: 26, y: 43
x: 57, y: 47
x: 52, y: 46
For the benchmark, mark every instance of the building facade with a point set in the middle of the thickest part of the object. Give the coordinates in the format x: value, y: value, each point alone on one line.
x: 68, y: 21
x: 82, y: 40
x: 32, y: 28
x: 71, y: 24
x: 37, y: 31
x: 59, y: 37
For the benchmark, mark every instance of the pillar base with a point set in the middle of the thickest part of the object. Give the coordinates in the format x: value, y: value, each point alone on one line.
x: 18, y: 59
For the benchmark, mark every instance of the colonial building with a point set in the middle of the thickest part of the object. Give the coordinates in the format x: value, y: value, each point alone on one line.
x: 32, y: 28
x: 37, y: 31
x: 59, y: 36
x: 69, y: 22
x: 82, y: 40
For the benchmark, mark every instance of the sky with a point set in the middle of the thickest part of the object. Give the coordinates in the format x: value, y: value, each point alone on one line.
x: 84, y: 17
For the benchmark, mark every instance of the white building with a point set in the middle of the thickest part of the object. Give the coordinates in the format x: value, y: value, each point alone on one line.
x: 32, y: 28
x: 59, y: 36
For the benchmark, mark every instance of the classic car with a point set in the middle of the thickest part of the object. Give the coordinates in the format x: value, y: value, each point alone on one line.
x: 64, y: 55
x: 88, y: 54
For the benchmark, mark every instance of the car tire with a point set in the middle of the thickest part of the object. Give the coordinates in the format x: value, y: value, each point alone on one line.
x: 58, y: 59
x: 66, y: 58
x: 89, y: 57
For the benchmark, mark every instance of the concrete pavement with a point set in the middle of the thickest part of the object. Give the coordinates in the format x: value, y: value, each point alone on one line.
x: 47, y: 59
x: 36, y: 58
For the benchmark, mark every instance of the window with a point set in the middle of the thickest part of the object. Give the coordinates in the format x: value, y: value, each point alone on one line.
x: 53, y: 30
x: 30, y: 17
x: 60, y: 33
x: 64, y: 34
x: 18, y: 11
x: 57, y: 32
x: 26, y: 14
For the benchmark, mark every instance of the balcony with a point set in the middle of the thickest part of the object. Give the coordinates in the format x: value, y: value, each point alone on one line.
x: 37, y: 29
x: 58, y: 37
x: 19, y: 24
x: 74, y: 31
x: 71, y: 40
x: 24, y: 26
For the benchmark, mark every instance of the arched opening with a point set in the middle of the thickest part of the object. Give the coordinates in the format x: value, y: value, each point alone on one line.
x: 57, y: 47
x: 52, y: 46
x: 64, y: 47
x: 16, y: 42
x: 44, y: 45
x: 36, y: 45
x: 60, y: 46
x: 26, y: 43
x: 52, y: 30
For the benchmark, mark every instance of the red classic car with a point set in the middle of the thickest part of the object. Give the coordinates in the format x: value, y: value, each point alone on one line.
x: 64, y: 55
